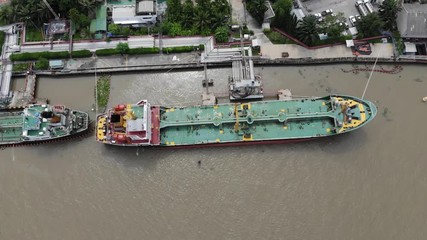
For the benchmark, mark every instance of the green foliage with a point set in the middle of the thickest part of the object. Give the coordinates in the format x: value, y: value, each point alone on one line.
x: 6, y: 14
x: 284, y: 20
x: 81, y: 54
x: 81, y: 20
x: 221, y: 34
x: 114, y: 28
x: 106, y: 52
x: 140, y: 51
x: 33, y: 35
x: 369, y: 26
x: 36, y: 55
x: 20, y: 67
x: 2, y: 36
x: 175, y: 29
x: 122, y: 48
x: 179, y: 49
x: 400, y: 46
x: 173, y: 11
x: 277, y: 38
x: 331, y: 25
x: 388, y: 13
x: 187, y: 14
x: 307, y: 31
x: 103, y: 91
x: 42, y: 64
x: 257, y: 9
x: 35, y: 12
x: 187, y: 19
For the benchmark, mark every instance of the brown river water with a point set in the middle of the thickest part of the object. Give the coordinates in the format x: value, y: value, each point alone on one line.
x: 369, y: 184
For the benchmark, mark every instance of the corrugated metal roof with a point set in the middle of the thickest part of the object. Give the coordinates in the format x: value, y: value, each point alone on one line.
x: 410, y: 47
x: 146, y: 6
x: 100, y: 23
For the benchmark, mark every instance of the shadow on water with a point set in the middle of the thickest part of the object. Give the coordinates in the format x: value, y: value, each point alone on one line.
x: 144, y: 157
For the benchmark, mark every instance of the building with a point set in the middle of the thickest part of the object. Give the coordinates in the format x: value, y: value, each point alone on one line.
x: 141, y: 13
x: 412, y: 25
x: 56, y: 29
x: 99, y: 24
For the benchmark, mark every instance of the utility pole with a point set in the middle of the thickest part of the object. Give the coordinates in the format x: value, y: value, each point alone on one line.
x: 51, y: 10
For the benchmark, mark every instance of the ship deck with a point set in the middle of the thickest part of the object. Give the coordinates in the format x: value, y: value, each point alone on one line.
x: 263, y: 121
x: 10, y: 128
x: 269, y: 120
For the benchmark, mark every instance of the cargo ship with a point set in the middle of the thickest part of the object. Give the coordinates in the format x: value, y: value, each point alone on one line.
x: 40, y: 122
x: 278, y: 121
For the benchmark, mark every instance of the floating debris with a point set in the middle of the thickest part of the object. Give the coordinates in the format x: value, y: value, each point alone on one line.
x: 393, y: 70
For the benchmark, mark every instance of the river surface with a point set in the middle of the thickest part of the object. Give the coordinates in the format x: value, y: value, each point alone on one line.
x: 369, y: 184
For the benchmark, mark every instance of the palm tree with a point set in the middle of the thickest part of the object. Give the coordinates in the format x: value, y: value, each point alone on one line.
x: 88, y: 5
x: 202, y: 19
x: 388, y: 13
x: 307, y: 30
x: 257, y: 9
x: 187, y: 16
x: 6, y: 13
x: 369, y: 26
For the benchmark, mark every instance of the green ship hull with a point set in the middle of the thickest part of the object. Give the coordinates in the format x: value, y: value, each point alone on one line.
x: 233, y: 124
x: 37, y: 123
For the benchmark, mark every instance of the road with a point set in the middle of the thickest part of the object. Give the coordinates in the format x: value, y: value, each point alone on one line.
x: 134, y: 42
x: 11, y: 38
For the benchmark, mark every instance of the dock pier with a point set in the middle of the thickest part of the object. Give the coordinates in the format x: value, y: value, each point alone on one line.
x: 22, y: 98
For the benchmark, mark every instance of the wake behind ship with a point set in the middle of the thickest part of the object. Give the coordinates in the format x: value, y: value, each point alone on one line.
x: 233, y: 124
x: 40, y: 123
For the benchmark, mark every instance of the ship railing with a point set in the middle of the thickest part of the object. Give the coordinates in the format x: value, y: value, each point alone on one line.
x: 240, y: 119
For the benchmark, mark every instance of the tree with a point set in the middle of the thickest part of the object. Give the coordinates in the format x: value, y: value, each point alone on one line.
x: 88, y: 5
x: 369, y: 26
x: 175, y: 29
x: 187, y: 14
x: 257, y: 9
x: 173, y: 12
x: 388, y: 12
x: 6, y: 13
x: 284, y: 19
x: 307, y: 30
x: 221, y: 34
x: 202, y: 20
x: 114, y: 28
x: 332, y: 25
x: 122, y: 48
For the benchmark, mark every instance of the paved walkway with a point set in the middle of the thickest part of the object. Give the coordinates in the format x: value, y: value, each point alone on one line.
x: 273, y: 51
x: 238, y: 14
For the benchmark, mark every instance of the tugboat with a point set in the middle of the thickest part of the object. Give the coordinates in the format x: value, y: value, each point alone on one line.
x: 40, y: 122
x: 278, y: 121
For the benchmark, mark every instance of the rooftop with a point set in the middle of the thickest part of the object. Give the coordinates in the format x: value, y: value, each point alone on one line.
x: 411, y: 21
x: 100, y: 23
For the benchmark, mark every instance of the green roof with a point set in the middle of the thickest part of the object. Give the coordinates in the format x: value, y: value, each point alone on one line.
x: 100, y: 23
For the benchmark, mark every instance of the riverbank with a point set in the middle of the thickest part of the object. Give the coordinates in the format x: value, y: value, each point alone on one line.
x: 271, y: 55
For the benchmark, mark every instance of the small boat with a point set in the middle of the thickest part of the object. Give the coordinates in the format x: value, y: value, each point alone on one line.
x: 40, y: 122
